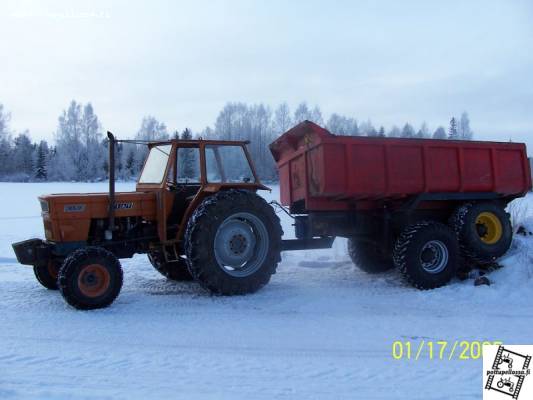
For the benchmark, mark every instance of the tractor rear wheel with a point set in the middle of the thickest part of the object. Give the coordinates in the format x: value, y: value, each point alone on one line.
x: 47, y: 273
x: 233, y: 242
x: 90, y: 278
x: 175, y: 270
x: 483, y: 230
x: 368, y: 257
x: 427, y: 254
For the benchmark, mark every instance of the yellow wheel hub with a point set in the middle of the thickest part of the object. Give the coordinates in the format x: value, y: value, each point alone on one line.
x: 490, y: 227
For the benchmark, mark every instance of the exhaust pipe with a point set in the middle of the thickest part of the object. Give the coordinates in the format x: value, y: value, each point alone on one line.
x: 111, y: 216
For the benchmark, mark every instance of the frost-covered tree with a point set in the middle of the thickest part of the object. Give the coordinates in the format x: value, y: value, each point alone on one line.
x: 303, y: 113
x: 394, y: 132
x: 152, y: 130
x: 207, y: 133
x: 68, y: 160
x: 232, y: 122
x: 367, y: 128
x: 423, y: 132
x: 316, y: 116
x: 407, y: 131
x: 93, y: 153
x: 261, y: 135
x: 341, y: 125
x: 452, y: 133
x: 372, y: 132
x: 381, y: 132
x: 4, y: 122
x: 282, y: 119
x: 238, y: 121
x: 463, y: 129
x: 440, y: 133
x: 79, y: 151
x: 5, y: 142
x: 130, y: 168
x: 22, y: 159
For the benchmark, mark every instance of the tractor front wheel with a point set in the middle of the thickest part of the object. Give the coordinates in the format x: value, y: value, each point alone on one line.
x: 46, y: 274
x: 233, y: 242
x: 90, y: 278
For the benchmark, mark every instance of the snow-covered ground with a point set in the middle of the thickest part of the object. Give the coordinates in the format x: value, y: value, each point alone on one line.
x: 321, y: 329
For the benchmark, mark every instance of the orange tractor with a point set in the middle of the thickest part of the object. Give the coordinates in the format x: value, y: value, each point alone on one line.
x: 195, y: 213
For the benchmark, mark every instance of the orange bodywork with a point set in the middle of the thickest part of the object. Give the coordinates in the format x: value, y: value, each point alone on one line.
x: 68, y: 217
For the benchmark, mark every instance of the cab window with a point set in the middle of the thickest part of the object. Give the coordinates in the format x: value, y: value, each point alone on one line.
x: 188, y: 165
x: 227, y: 164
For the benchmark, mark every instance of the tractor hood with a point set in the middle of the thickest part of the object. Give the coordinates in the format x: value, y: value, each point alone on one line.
x: 67, y: 216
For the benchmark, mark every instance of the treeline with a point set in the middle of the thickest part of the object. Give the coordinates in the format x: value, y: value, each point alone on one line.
x: 79, y: 151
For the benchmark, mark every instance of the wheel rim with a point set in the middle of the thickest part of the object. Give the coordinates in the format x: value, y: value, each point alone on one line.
x: 93, y: 280
x: 241, y: 244
x: 489, y: 227
x: 434, y: 256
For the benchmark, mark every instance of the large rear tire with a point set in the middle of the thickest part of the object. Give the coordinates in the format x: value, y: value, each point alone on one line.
x: 368, y: 257
x: 483, y: 230
x: 175, y: 270
x: 90, y: 278
x: 427, y: 254
x: 233, y: 242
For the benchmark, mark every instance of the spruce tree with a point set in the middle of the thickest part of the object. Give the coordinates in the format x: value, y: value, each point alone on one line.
x: 187, y: 160
x: 41, y: 161
x: 453, y: 135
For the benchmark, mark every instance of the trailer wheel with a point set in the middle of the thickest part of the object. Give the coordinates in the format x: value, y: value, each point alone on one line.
x: 46, y: 274
x: 175, y: 270
x: 368, y: 257
x: 90, y: 278
x: 427, y: 254
x: 233, y: 242
x: 484, y: 231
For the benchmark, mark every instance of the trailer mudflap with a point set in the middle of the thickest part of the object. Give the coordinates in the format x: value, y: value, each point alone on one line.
x: 32, y: 251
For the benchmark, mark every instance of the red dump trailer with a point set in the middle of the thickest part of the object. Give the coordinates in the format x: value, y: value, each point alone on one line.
x: 420, y: 204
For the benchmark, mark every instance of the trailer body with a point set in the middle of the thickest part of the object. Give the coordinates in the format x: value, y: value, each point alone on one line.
x: 320, y: 171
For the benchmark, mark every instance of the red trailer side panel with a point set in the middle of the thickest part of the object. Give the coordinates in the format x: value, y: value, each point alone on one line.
x: 337, y: 172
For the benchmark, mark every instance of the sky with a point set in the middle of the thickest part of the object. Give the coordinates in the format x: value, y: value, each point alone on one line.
x: 388, y: 61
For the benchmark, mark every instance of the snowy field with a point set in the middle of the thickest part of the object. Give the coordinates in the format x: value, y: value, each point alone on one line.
x: 321, y: 329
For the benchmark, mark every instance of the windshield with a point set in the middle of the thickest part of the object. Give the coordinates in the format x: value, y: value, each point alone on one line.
x: 156, y: 164
x: 226, y: 163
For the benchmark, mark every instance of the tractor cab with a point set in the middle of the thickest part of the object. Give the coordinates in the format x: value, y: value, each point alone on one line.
x: 184, y: 172
x: 196, y: 163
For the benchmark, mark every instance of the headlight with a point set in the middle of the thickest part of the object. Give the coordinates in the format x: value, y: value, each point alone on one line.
x: 44, y: 206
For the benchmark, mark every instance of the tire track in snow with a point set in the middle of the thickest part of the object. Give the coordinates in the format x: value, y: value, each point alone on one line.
x: 202, y: 348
